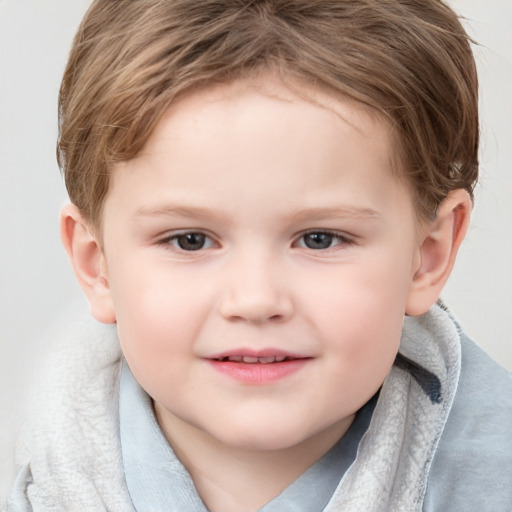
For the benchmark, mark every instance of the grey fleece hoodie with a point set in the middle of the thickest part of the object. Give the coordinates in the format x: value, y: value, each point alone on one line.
x: 440, y: 438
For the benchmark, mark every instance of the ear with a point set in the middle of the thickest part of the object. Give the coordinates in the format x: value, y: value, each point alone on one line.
x: 88, y: 262
x: 438, y: 251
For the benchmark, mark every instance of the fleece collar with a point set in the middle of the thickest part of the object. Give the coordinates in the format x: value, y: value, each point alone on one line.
x: 74, y: 446
x: 394, y: 457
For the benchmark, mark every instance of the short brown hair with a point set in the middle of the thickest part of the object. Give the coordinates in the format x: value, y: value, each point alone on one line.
x: 409, y: 60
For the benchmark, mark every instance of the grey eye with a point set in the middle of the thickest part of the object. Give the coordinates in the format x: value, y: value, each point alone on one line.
x: 318, y: 240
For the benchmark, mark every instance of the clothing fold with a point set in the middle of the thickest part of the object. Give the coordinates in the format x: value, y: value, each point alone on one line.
x: 440, y: 437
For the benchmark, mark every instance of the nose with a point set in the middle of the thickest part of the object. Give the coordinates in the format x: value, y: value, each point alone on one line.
x: 256, y: 292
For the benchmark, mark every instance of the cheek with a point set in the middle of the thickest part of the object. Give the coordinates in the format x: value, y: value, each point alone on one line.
x: 364, y: 335
x: 359, y: 296
x: 157, y: 316
x: 360, y: 315
x: 365, y: 328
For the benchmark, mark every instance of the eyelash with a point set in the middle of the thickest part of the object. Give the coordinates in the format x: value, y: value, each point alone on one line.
x: 342, y: 240
x: 174, y: 240
x: 168, y: 241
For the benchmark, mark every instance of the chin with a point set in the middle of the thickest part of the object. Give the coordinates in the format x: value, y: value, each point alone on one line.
x: 265, y: 438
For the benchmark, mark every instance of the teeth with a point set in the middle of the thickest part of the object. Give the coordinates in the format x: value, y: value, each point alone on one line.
x: 254, y: 360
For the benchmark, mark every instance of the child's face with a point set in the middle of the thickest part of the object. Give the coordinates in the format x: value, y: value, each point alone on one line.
x: 261, y: 225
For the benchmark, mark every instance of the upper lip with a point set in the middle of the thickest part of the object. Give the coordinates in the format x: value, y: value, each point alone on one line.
x: 266, y: 355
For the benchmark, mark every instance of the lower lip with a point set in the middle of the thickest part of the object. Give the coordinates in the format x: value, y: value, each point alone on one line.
x: 259, y: 373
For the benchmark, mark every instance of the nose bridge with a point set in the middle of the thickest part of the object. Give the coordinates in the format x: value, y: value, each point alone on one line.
x: 255, y: 287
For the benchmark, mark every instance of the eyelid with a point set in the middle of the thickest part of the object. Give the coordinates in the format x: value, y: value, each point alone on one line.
x: 344, y: 238
x: 166, y: 239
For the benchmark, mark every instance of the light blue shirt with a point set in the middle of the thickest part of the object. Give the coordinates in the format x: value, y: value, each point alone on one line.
x: 157, y: 481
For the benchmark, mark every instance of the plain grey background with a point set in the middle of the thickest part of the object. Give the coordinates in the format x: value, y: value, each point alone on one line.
x: 36, y: 283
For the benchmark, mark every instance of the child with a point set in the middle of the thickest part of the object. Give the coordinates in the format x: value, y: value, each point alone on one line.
x: 267, y: 198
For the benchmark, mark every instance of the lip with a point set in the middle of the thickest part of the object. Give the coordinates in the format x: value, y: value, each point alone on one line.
x: 260, y: 372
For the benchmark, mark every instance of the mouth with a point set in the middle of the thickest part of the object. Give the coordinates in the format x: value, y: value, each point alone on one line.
x: 264, y: 367
x: 255, y: 359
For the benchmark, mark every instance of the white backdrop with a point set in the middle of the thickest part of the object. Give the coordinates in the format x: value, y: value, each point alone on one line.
x: 36, y: 282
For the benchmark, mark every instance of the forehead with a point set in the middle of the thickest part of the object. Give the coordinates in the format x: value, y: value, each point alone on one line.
x: 246, y: 103
x: 261, y: 138
x: 285, y: 93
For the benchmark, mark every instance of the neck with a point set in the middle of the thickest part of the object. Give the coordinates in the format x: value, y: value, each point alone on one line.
x: 234, y: 479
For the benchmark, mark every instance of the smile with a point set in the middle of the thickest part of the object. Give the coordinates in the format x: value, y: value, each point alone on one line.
x: 255, y: 360
x: 258, y: 368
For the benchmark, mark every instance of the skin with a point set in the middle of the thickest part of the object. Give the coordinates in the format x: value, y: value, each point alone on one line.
x: 263, y: 174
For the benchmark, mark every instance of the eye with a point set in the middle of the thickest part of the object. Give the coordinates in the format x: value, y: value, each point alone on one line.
x: 321, y: 240
x: 190, y: 241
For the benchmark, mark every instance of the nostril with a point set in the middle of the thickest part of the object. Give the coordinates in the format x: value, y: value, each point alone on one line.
x: 276, y: 318
x: 264, y: 319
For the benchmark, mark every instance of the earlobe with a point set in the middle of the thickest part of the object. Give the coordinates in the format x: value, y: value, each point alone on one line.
x: 438, y: 251
x: 88, y: 262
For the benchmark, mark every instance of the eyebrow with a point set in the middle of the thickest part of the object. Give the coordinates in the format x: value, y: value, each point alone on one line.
x: 346, y: 211
x: 191, y: 212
